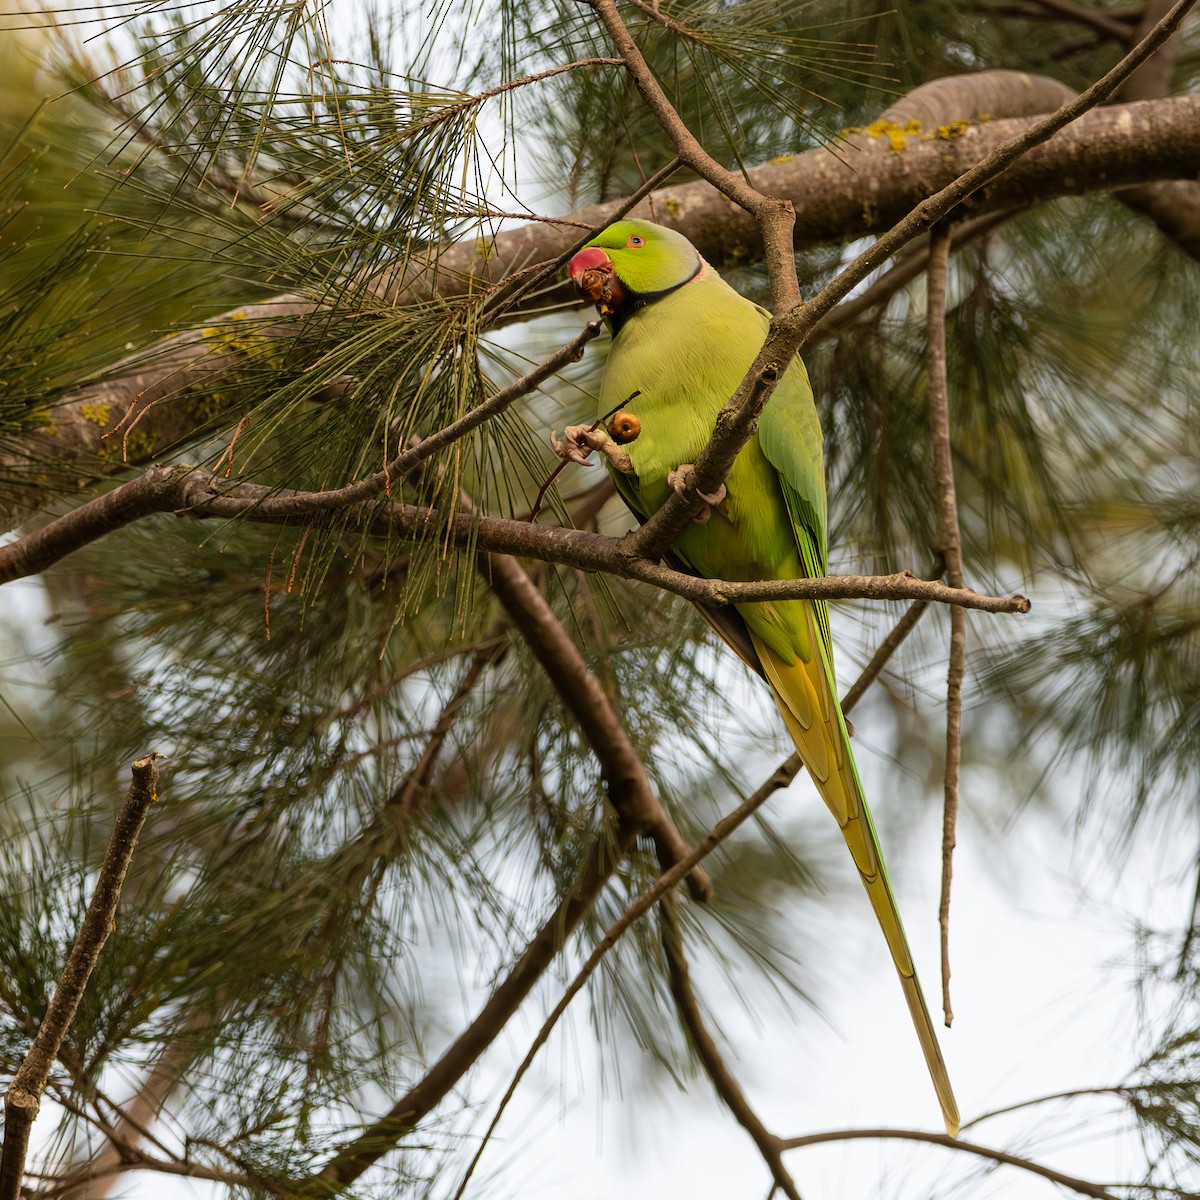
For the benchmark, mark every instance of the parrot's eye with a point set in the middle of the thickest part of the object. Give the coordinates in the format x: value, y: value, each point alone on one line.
x: 635, y: 240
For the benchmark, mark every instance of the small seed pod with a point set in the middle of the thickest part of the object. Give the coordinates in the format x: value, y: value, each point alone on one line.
x: 592, y: 282
x: 624, y: 427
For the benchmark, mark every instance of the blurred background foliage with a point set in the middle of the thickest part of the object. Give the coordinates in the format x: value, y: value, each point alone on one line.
x: 374, y: 793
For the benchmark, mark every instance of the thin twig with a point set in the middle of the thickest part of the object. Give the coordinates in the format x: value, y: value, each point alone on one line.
x: 138, y: 1161
x: 540, y: 498
x: 727, y: 1087
x: 948, y: 543
x: 412, y: 456
x: 1082, y: 1186
x: 23, y: 1099
x: 885, y: 650
x: 906, y: 268
x: 1121, y: 1090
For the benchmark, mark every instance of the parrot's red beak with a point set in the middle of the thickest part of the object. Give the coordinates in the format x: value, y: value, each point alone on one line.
x: 593, y: 274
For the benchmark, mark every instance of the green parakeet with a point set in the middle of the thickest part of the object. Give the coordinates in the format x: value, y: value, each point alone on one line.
x: 682, y: 341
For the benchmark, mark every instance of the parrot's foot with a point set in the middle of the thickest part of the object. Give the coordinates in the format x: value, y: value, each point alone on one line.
x: 578, y: 441
x: 678, y: 479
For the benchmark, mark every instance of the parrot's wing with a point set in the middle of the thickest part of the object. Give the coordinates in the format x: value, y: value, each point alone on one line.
x: 789, y: 433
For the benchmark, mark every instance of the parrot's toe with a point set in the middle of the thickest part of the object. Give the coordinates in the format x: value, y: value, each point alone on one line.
x: 569, y: 448
x: 678, y: 479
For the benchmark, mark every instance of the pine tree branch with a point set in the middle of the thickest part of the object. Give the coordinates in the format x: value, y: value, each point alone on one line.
x: 723, y: 1081
x: 1083, y: 1186
x: 780, y: 778
x: 381, y: 1136
x: 23, y: 1098
x: 862, y: 185
x: 188, y: 492
x: 166, y: 394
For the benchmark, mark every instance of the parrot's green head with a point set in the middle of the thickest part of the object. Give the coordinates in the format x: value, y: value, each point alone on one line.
x: 631, y: 264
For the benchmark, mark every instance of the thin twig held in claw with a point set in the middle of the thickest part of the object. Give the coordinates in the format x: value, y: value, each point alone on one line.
x: 535, y: 511
x: 23, y: 1098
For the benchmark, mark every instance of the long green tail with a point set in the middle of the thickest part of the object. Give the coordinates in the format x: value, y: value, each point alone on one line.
x: 804, y: 692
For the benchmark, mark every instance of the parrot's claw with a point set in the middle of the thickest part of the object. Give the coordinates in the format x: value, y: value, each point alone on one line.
x: 578, y: 441
x: 568, y: 449
x: 678, y: 479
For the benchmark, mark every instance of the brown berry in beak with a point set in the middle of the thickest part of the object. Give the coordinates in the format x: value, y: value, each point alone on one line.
x: 592, y: 274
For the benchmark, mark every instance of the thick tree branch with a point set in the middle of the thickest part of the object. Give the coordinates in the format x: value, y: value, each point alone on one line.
x: 869, y: 178
x: 23, y: 1098
x: 862, y: 185
x: 156, y: 398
